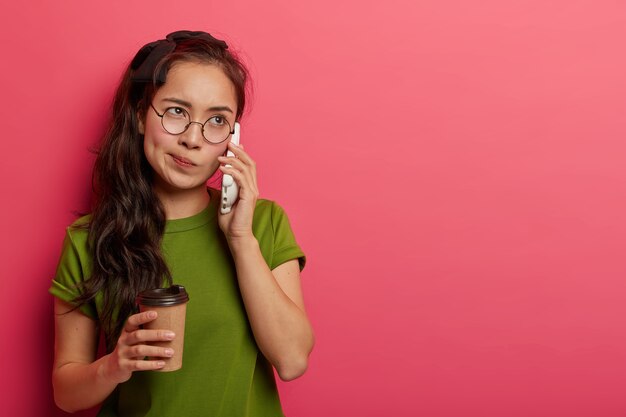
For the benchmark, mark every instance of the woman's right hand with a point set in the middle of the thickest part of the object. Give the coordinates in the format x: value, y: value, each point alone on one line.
x: 131, y: 349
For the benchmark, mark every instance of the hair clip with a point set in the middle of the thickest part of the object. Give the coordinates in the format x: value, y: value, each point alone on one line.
x: 146, y: 60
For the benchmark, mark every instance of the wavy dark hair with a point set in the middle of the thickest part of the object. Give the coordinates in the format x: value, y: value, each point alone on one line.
x: 128, y: 220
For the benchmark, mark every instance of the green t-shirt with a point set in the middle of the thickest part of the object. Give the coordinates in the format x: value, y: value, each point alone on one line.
x: 223, y: 372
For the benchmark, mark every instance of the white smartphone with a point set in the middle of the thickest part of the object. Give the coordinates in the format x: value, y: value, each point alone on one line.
x: 230, y: 189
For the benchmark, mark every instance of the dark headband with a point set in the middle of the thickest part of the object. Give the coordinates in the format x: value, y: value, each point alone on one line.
x: 146, y: 60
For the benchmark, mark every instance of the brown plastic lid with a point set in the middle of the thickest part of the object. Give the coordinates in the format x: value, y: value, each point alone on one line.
x: 163, y: 297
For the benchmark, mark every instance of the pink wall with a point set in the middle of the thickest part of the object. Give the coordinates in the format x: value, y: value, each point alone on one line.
x: 455, y: 171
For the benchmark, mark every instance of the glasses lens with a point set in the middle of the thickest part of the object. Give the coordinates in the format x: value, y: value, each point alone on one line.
x: 216, y: 129
x: 175, y: 120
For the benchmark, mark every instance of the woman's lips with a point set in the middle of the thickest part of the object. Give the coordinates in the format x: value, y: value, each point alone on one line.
x: 182, y: 161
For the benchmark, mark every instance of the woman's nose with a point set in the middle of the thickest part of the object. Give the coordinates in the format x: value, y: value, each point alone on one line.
x: 192, y: 137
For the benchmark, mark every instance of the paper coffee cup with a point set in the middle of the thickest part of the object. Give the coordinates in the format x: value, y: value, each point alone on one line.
x: 171, y: 307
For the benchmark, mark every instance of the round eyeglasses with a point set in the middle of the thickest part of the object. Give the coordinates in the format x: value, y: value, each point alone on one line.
x: 176, y: 120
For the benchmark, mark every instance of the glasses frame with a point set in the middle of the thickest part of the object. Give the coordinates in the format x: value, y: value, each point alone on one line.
x: 230, y: 128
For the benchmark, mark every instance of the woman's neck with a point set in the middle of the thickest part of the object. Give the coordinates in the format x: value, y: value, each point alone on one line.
x: 179, y: 204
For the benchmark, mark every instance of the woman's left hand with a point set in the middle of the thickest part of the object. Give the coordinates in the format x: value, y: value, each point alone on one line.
x: 238, y: 223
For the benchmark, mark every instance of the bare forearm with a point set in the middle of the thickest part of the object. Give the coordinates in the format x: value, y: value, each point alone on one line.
x: 79, y: 386
x: 281, y: 328
x: 80, y: 381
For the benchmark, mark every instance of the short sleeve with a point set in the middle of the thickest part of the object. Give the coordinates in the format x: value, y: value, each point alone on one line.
x: 273, y: 232
x: 285, y: 246
x: 71, y: 270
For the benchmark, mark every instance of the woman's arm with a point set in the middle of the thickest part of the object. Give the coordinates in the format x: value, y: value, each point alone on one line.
x: 76, y: 378
x: 79, y: 380
x: 273, y: 299
x: 275, y: 308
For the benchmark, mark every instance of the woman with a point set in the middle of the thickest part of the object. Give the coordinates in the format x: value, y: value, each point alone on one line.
x: 154, y: 222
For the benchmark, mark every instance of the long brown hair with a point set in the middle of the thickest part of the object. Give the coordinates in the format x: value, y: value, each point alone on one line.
x: 128, y: 220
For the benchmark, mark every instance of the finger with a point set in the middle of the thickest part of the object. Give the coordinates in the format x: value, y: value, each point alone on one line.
x: 244, y: 180
x: 143, y: 365
x: 141, y: 351
x: 247, y: 170
x: 137, y: 320
x: 251, y: 182
x: 237, y: 175
x: 145, y: 335
x: 234, y: 162
x: 239, y: 160
x: 240, y: 153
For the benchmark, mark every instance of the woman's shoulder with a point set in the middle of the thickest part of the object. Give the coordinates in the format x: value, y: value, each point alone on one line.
x: 79, y: 229
x: 81, y: 223
x: 269, y: 209
x: 270, y: 216
x: 82, y: 220
x: 265, y: 204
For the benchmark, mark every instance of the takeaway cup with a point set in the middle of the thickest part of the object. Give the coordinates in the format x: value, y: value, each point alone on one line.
x: 171, y: 307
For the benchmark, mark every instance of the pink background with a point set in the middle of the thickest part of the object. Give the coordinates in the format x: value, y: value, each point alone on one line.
x: 455, y: 171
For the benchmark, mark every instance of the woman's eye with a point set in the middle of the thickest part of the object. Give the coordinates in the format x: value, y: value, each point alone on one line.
x: 176, y: 112
x: 217, y: 121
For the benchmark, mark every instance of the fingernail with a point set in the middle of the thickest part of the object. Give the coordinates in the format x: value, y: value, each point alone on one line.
x: 152, y: 314
x: 160, y: 364
x: 169, y: 352
x: 169, y: 335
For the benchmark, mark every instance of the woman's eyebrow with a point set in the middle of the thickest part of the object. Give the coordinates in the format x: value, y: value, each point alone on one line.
x: 178, y: 101
x: 220, y: 108
x: 188, y: 104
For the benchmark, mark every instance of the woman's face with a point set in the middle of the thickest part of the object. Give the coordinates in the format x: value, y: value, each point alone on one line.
x: 186, y: 161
